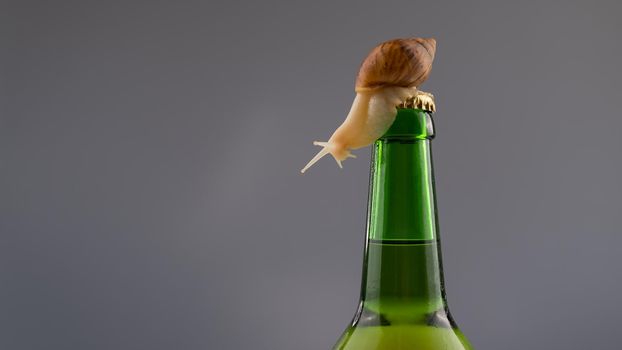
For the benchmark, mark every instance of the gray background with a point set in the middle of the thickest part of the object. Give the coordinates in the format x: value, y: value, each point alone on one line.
x: 149, y: 154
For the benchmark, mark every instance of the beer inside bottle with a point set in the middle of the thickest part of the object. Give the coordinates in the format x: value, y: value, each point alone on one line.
x: 403, y: 304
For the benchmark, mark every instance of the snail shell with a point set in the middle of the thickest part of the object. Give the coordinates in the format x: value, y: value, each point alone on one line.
x: 399, y: 62
x: 390, y: 74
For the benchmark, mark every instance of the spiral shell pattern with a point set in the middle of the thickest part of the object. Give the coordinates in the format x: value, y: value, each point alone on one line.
x: 398, y: 62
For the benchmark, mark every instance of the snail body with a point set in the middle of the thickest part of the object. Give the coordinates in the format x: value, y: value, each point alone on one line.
x: 390, y: 74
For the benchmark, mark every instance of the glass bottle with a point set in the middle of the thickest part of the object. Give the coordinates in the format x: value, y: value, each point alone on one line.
x: 403, y: 304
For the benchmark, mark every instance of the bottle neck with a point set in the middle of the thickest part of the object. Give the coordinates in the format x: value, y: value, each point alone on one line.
x: 402, y: 201
x: 402, y: 256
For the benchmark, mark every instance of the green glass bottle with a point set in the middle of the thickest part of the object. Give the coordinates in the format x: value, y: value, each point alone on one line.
x: 403, y: 304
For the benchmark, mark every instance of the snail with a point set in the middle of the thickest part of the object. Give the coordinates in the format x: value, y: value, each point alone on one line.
x: 389, y: 75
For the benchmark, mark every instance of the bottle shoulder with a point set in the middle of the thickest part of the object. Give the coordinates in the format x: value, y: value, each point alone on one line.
x: 403, y: 326
x: 402, y: 337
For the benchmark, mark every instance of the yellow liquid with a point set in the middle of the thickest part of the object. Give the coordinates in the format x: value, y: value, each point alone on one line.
x: 403, y: 337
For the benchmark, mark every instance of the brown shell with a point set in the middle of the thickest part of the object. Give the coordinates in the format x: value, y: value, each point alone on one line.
x: 398, y: 62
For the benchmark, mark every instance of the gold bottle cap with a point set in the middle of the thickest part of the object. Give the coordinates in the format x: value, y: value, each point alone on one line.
x: 422, y: 100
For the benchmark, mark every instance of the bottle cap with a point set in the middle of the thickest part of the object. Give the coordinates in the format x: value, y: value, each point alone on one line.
x: 422, y: 100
